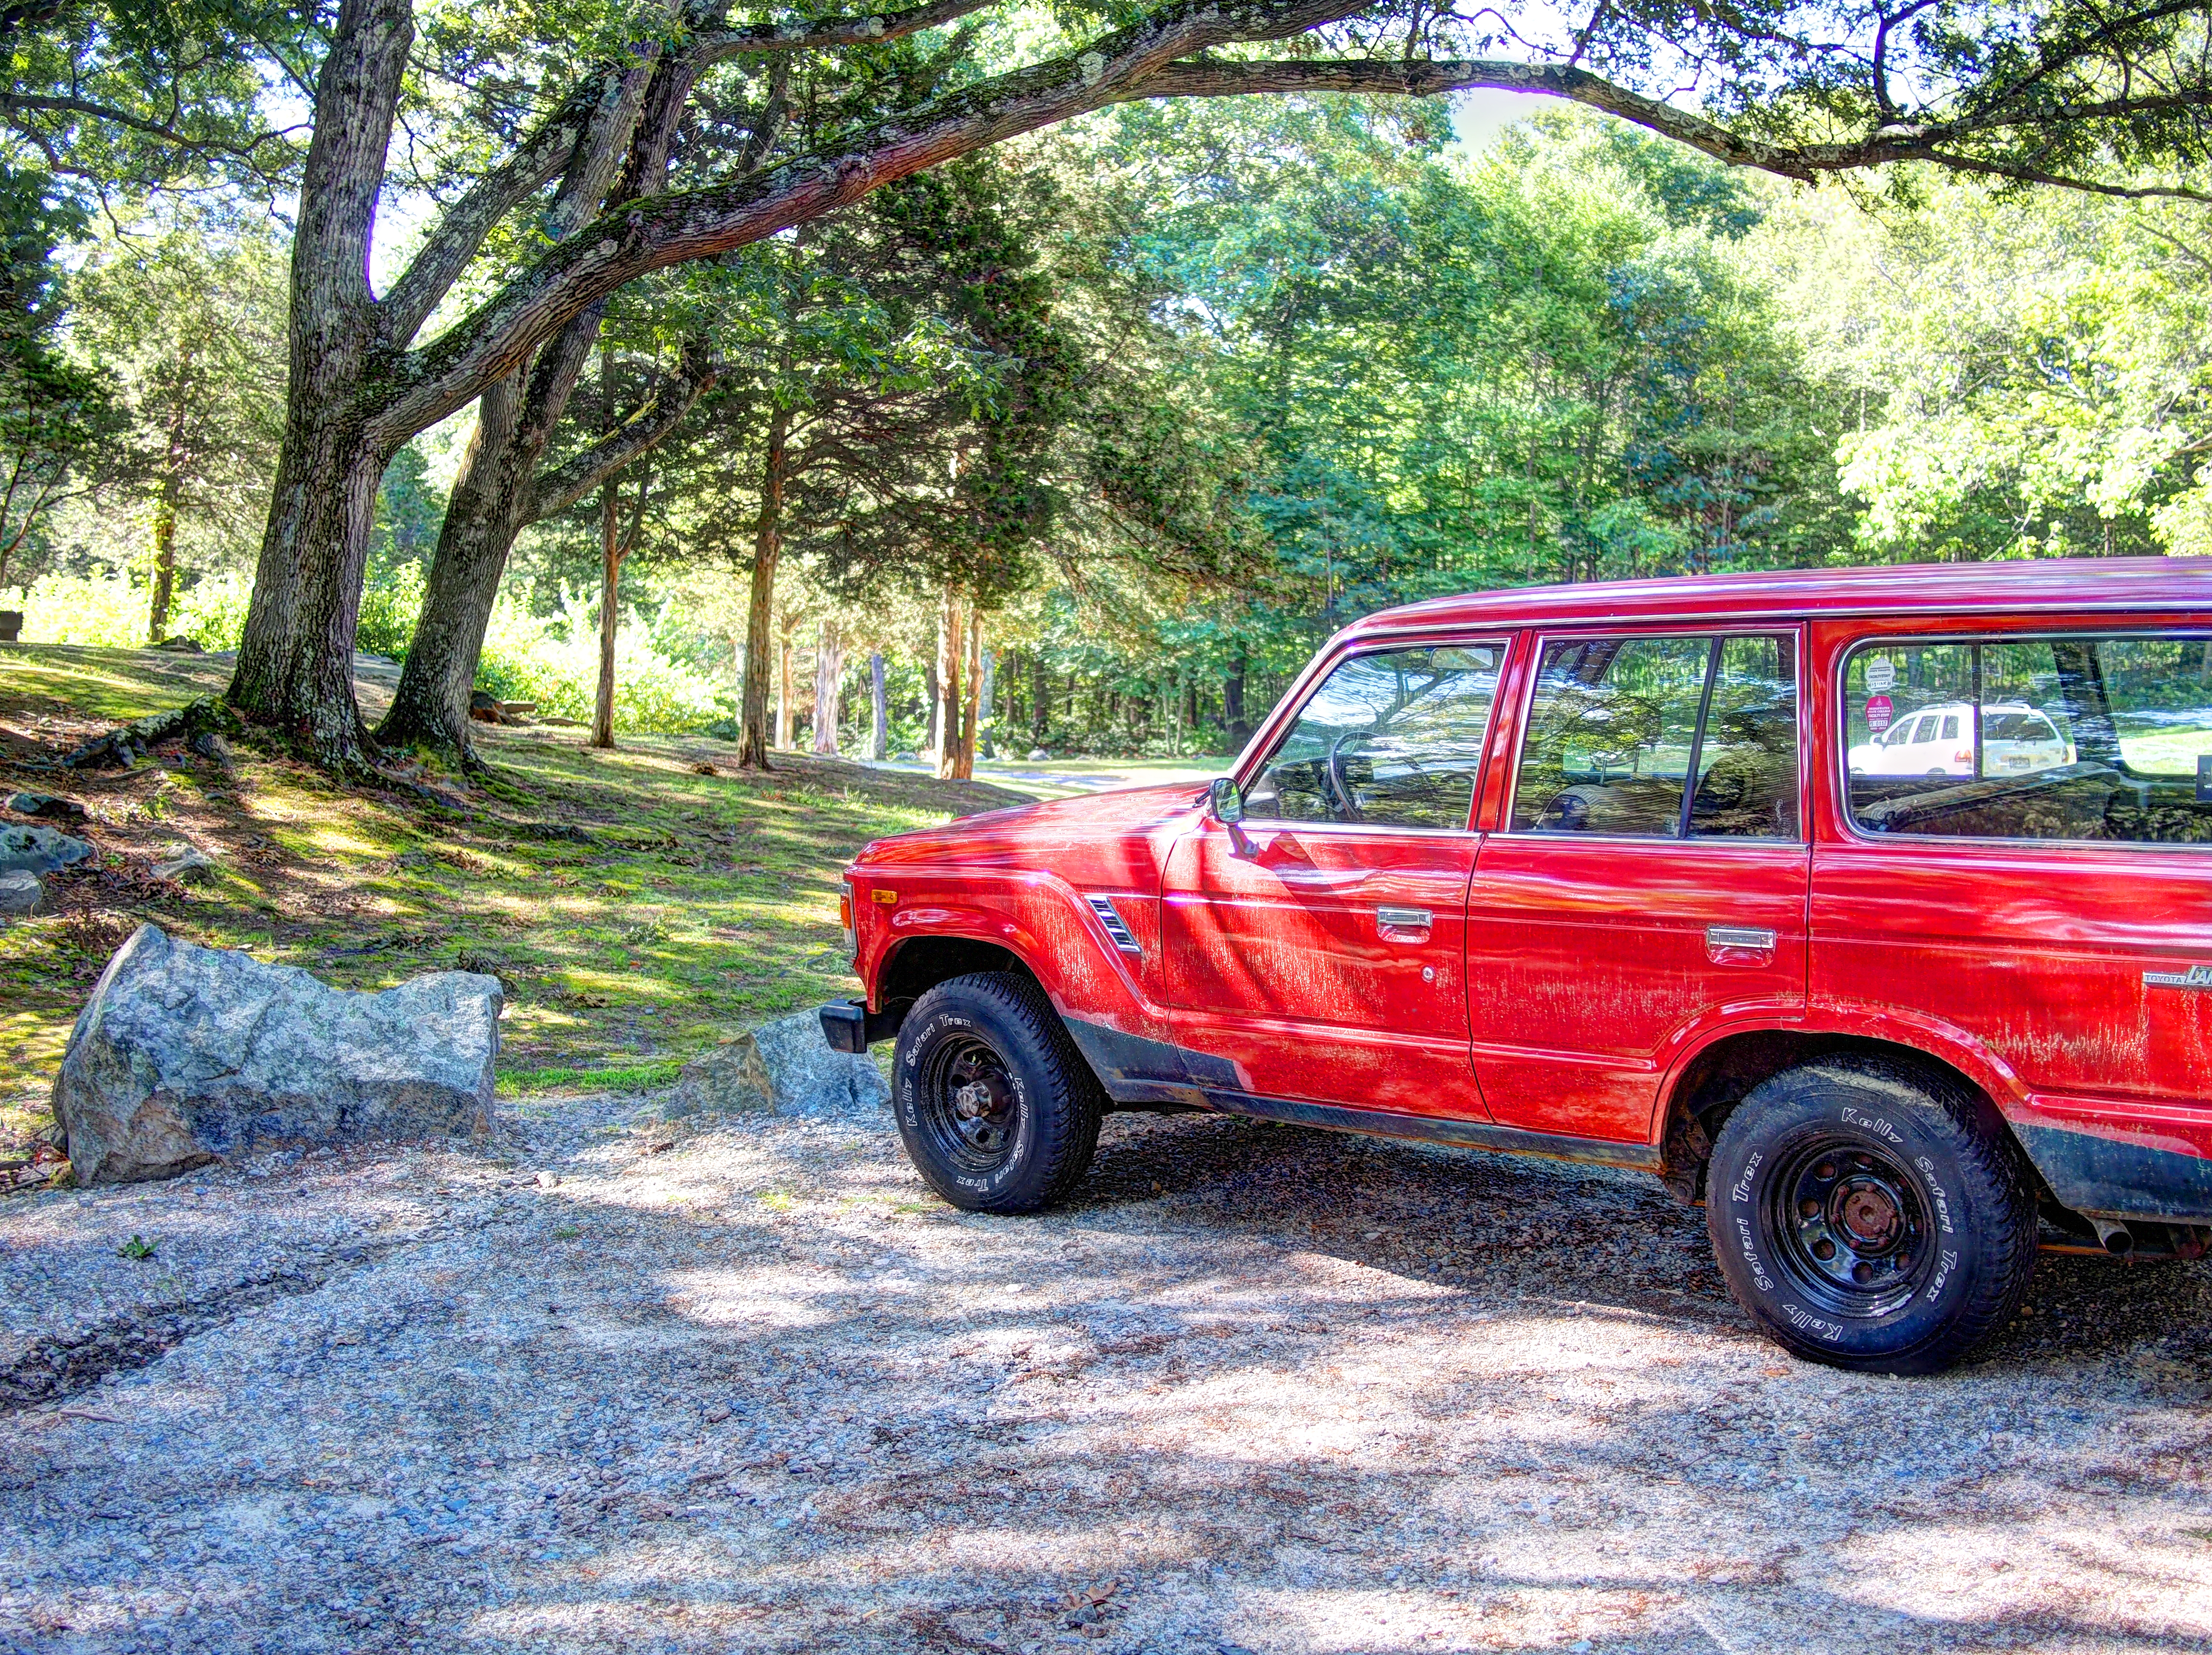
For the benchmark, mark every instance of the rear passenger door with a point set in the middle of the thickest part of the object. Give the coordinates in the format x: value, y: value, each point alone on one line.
x: 1649, y: 882
x: 2051, y: 902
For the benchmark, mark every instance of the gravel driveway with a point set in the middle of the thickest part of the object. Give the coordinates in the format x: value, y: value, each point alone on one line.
x: 619, y: 1386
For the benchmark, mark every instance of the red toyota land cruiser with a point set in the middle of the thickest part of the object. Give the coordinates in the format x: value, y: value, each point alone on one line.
x: 1873, y: 907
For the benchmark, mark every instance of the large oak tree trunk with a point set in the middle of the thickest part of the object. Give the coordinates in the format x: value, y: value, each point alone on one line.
x: 483, y: 515
x: 295, y: 668
x: 295, y: 656
x: 767, y: 542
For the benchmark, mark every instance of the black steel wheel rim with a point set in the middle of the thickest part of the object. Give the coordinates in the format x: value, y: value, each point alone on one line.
x: 970, y: 1111
x: 1850, y: 1223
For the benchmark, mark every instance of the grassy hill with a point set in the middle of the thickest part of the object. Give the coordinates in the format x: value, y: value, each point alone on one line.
x: 637, y: 909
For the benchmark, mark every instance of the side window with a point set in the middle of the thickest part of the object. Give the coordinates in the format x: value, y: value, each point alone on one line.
x: 1617, y: 726
x: 1747, y: 762
x: 2077, y: 738
x: 1392, y: 739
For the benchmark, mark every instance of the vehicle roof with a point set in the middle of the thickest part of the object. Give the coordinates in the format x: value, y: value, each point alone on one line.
x: 2053, y: 585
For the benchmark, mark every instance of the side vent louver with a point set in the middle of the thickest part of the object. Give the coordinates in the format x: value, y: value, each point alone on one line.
x: 1111, y: 918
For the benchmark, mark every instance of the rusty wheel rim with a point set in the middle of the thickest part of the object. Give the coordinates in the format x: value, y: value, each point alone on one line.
x: 969, y: 1107
x: 1851, y: 1221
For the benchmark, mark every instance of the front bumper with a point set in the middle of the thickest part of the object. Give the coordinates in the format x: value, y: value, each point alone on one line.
x: 849, y: 1026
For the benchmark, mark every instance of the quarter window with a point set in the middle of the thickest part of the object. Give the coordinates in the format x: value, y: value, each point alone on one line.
x: 1619, y: 726
x: 2075, y: 738
x: 1391, y: 739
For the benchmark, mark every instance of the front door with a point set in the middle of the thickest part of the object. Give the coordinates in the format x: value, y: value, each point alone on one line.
x: 1627, y: 909
x: 1315, y: 952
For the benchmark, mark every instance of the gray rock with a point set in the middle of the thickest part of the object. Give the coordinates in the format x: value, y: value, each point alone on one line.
x: 192, y: 864
x: 40, y: 850
x: 46, y: 805
x: 21, y: 892
x: 784, y: 1067
x: 1037, y: 754
x: 187, y: 1055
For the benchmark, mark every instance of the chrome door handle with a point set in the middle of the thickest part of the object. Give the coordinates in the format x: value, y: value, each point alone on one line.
x: 1404, y: 918
x: 1739, y: 936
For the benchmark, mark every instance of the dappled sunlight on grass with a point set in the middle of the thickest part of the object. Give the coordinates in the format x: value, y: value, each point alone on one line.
x: 636, y: 912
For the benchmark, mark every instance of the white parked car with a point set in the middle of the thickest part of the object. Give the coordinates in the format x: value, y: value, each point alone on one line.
x: 1939, y: 741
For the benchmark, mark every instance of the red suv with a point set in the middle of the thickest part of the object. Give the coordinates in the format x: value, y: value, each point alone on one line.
x: 1872, y: 907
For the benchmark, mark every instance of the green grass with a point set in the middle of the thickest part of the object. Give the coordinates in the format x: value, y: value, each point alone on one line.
x: 680, y: 908
x: 633, y: 1078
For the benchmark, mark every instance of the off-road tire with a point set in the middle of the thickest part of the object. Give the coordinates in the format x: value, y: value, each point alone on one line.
x: 1048, y: 1103
x: 1907, y: 1178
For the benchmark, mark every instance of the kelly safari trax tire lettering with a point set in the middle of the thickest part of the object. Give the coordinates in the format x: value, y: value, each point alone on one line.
x: 1867, y: 1215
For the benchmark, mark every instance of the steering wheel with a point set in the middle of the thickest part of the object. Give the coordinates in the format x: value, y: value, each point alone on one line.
x: 1566, y: 811
x: 1336, y: 781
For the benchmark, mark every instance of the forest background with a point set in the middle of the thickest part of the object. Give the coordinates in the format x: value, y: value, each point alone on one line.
x: 1223, y: 376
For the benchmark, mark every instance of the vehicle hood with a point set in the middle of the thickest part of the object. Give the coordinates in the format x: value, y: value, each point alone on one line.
x: 1054, y: 832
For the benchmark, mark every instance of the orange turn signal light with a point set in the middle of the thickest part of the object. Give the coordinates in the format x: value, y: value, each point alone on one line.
x: 884, y: 896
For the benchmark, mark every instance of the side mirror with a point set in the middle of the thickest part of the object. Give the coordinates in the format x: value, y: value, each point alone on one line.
x: 1225, y: 802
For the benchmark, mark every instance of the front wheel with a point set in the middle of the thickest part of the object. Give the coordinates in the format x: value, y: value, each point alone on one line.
x: 997, y: 1109
x: 1870, y: 1216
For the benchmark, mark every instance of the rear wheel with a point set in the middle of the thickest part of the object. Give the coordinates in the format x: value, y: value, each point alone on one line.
x: 1869, y: 1215
x: 997, y: 1109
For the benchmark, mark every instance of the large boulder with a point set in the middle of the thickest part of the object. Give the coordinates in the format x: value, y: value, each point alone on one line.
x: 187, y: 1055
x: 40, y: 850
x: 786, y: 1068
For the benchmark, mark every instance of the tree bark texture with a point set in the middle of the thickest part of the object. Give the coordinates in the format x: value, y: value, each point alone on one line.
x: 784, y: 691
x: 988, y: 675
x: 501, y: 490
x: 767, y: 542
x: 828, y: 674
x: 294, y: 666
x: 174, y: 458
x: 1040, y: 697
x: 947, y: 754
x: 964, y: 763
x: 879, y: 722
x: 610, y: 562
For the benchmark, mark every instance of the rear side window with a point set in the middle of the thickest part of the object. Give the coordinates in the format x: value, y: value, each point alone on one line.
x: 2096, y: 738
x: 1619, y: 727
x: 1392, y: 739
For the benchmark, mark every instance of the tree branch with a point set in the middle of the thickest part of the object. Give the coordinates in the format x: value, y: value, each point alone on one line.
x: 16, y: 102
x: 642, y: 236
x: 2031, y: 175
x: 462, y: 227
x: 559, y: 486
x: 720, y: 44
x: 1421, y: 79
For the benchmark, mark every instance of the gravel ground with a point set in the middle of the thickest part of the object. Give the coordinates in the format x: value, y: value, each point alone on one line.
x: 615, y: 1384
